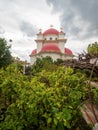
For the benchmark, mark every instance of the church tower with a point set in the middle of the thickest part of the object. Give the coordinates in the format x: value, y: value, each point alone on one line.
x: 51, y: 43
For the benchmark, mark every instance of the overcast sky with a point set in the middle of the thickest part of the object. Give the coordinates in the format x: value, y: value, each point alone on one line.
x: 20, y: 20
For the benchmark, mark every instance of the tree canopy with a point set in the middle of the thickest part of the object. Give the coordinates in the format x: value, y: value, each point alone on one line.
x: 49, y: 101
x: 93, y: 48
x: 5, y: 54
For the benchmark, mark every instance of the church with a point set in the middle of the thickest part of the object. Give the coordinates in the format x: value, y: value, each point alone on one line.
x: 51, y: 43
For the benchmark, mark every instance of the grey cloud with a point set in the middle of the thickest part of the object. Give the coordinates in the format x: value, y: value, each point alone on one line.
x: 24, y: 55
x: 2, y: 31
x: 79, y: 17
x: 28, y: 29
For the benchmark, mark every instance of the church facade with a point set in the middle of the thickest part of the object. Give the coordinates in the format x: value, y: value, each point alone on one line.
x: 51, y: 43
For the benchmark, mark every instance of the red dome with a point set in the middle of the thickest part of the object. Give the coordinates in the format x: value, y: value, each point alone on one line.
x: 34, y: 52
x: 51, y: 31
x: 68, y: 51
x: 50, y: 48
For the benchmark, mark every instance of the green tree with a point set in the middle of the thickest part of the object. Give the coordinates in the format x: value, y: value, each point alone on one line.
x: 93, y: 48
x: 50, y: 101
x: 5, y: 55
x: 59, y: 61
x: 46, y: 63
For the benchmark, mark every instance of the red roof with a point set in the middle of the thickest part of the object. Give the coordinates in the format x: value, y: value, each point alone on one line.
x: 51, y: 31
x: 34, y: 52
x: 50, y: 48
x: 68, y: 51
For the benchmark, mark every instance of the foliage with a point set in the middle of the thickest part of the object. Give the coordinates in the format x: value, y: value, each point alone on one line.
x: 11, y: 84
x: 58, y: 61
x: 45, y: 63
x: 19, y: 64
x: 50, y: 101
x: 93, y: 48
x: 5, y: 55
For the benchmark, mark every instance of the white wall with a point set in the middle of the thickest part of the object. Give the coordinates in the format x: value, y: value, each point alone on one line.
x: 40, y: 37
x: 61, y: 46
x: 50, y: 36
x: 32, y: 59
x: 61, y: 36
x: 54, y: 56
x: 39, y: 46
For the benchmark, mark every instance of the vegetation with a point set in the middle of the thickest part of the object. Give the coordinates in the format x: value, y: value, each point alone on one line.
x: 93, y: 49
x: 5, y: 55
x: 50, y: 100
x: 45, y: 63
x: 47, y: 97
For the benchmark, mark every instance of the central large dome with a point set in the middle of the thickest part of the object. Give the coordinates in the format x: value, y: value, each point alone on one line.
x: 50, y: 48
x: 51, y: 31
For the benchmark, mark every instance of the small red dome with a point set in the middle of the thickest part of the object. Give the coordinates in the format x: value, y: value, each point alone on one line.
x: 68, y: 51
x: 34, y: 52
x: 50, y: 48
x: 51, y: 31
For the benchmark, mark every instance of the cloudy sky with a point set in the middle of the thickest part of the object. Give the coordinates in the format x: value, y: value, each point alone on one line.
x: 20, y: 20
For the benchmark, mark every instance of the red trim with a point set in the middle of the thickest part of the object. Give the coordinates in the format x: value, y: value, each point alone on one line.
x: 68, y: 51
x: 34, y: 52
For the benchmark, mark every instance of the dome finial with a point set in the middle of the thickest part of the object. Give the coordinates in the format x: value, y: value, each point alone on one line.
x: 51, y: 25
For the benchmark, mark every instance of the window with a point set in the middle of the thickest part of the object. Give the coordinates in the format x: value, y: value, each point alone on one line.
x: 50, y: 38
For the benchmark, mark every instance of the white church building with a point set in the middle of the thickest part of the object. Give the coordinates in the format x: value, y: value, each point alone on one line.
x: 51, y: 43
